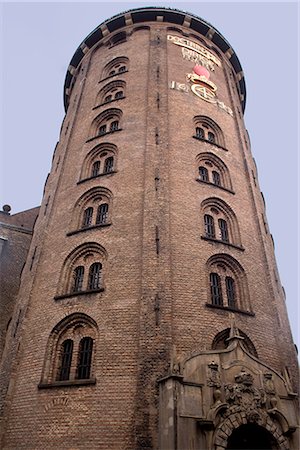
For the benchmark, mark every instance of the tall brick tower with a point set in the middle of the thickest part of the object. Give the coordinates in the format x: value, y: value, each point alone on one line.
x: 150, y: 313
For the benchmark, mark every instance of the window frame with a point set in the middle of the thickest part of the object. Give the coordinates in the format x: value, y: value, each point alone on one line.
x: 215, y: 289
x: 66, y: 356
x: 78, y: 279
x: 204, y: 176
x: 74, y: 327
x: 209, y: 226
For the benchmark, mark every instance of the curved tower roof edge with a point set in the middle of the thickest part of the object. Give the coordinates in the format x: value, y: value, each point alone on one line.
x: 149, y: 14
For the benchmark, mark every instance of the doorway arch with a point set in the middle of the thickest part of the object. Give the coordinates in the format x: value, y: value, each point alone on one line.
x: 251, y: 436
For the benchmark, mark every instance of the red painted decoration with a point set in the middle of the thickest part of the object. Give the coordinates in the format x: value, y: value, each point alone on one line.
x: 201, y: 71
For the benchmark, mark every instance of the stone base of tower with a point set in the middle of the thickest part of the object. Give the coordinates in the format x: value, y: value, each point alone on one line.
x: 227, y: 399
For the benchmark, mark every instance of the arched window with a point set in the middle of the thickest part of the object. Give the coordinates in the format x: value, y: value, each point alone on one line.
x: 78, y: 278
x: 106, y: 122
x: 228, y: 284
x: 223, y: 230
x: 216, y: 171
x: 102, y: 214
x: 94, y: 281
x: 215, y: 289
x: 108, y: 98
x: 211, y: 137
x: 209, y: 226
x: 84, y: 358
x: 92, y: 209
x: 114, y: 90
x: 101, y: 160
x: 95, y: 168
x: 118, y: 38
x: 207, y: 130
x: 87, y: 217
x: 203, y: 173
x: 114, y: 126
x: 88, y: 275
x: 116, y: 66
x: 119, y: 94
x: 200, y: 133
x: 65, y: 360
x: 109, y: 165
x: 230, y: 292
x: 221, y: 341
x: 70, y: 352
x: 102, y: 130
x: 216, y: 178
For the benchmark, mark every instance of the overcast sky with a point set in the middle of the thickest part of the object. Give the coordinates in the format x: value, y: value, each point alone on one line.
x: 38, y: 42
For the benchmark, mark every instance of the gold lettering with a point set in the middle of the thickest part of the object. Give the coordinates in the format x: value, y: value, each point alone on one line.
x: 179, y: 86
x: 182, y: 87
x: 197, y: 48
x: 196, y: 58
x: 204, y: 93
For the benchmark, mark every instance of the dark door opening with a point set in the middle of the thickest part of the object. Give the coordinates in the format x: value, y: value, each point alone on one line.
x: 251, y: 437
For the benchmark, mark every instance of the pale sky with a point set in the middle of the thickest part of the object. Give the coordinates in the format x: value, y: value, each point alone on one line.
x: 38, y: 42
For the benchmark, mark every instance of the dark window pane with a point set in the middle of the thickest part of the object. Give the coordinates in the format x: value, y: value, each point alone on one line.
x: 211, y: 137
x: 87, y: 217
x: 96, y: 168
x: 203, y: 174
x: 209, y: 226
x: 111, y: 73
x: 119, y: 94
x: 114, y: 126
x: 122, y: 69
x: 102, y: 214
x: 78, y: 279
x: 199, y: 133
x: 230, y: 291
x: 95, y: 276
x: 108, y: 98
x: 215, y: 289
x: 223, y: 230
x: 216, y: 178
x: 108, y: 165
x: 102, y: 130
x: 84, y: 358
x: 65, y: 360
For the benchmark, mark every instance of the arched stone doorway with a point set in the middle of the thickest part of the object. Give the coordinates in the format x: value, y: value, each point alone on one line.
x: 251, y: 437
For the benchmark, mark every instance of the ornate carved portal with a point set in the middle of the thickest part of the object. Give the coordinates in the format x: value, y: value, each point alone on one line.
x: 226, y: 400
x: 252, y: 437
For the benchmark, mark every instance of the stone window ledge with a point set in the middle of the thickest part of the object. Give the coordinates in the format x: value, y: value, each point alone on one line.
x: 75, y: 294
x: 111, y: 76
x: 215, y: 185
x: 211, y: 143
x: 109, y: 102
x: 67, y: 383
x: 96, y: 176
x: 231, y: 309
x: 101, y: 225
x: 102, y: 135
x: 218, y: 241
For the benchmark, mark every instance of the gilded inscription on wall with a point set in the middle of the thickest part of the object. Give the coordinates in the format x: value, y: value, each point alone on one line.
x: 195, y: 47
x: 201, y: 85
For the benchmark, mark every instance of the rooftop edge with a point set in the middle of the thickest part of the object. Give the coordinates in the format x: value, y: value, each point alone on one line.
x: 149, y: 14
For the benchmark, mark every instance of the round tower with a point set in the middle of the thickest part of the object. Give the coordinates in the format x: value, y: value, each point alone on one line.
x: 150, y: 313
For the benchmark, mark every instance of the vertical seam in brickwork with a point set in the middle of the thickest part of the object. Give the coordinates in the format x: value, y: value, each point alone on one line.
x: 166, y: 107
